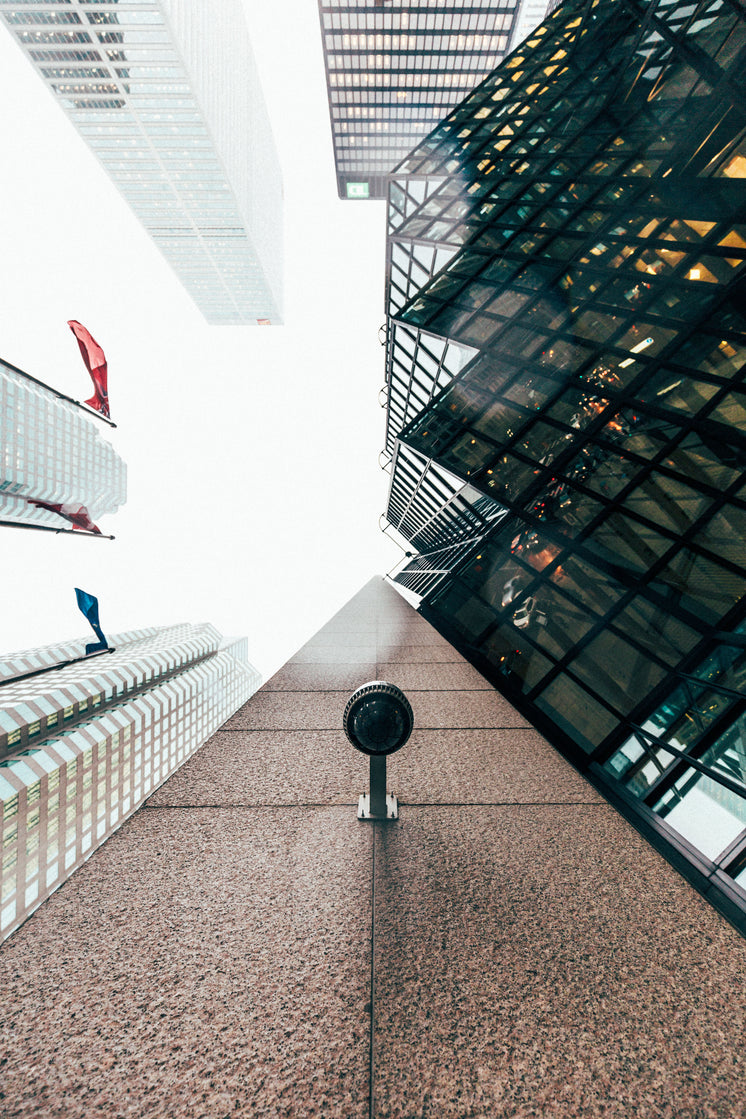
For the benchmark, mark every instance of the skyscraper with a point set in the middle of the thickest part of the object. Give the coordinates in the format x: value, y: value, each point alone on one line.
x: 52, y: 453
x: 166, y: 93
x: 394, y: 69
x: 82, y: 746
x: 565, y: 341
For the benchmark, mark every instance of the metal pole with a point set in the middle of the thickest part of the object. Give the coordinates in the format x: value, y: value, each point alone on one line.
x: 53, y: 667
x: 378, y: 785
x: 61, y: 395
x: 51, y: 528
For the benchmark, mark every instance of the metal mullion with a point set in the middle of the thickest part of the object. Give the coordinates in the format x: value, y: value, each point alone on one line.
x: 425, y: 377
x: 397, y: 415
x: 397, y: 394
x: 668, y: 322
x: 688, y: 778
x: 449, y: 516
x: 413, y: 496
x: 410, y: 400
x: 699, y: 61
x: 661, y: 691
x: 712, y: 685
x: 650, y: 743
x: 627, y: 398
x: 428, y: 506
x: 698, y: 422
x: 684, y: 537
x: 691, y: 760
x: 419, y: 392
x: 406, y: 475
x: 635, y: 587
x: 733, y: 859
x: 440, y: 491
x: 648, y: 757
x: 656, y: 463
x: 655, y: 568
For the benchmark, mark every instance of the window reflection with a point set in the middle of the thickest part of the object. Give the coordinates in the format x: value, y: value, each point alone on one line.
x: 704, y: 812
x: 670, y: 389
x: 507, y: 477
x: 625, y: 543
x: 699, y: 585
x: 518, y: 662
x: 704, y: 456
x: 555, y: 622
x: 725, y: 534
x: 641, y: 763
x: 565, y: 508
x: 617, y: 671
x: 667, y: 502
x: 589, y: 723
x: 651, y: 625
x: 599, y: 469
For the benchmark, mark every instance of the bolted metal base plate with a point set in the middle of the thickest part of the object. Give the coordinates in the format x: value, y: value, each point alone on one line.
x: 364, y: 813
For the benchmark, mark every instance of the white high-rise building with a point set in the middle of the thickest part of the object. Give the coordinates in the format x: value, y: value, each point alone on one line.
x: 51, y: 451
x: 82, y: 746
x: 166, y: 94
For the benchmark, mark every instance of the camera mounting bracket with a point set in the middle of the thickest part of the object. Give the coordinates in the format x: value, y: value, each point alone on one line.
x: 377, y: 804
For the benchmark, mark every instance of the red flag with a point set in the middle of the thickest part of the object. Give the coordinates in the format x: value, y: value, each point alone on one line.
x: 95, y: 363
x: 76, y: 514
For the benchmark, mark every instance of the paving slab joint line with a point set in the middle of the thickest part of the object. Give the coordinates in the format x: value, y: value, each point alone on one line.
x: 372, y: 1065
x: 333, y: 691
x: 261, y: 804
x: 404, y: 803
x: 501, y: 803
x: 417, y: 726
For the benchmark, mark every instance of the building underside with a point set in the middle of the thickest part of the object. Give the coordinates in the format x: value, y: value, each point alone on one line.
x: 394, y: 69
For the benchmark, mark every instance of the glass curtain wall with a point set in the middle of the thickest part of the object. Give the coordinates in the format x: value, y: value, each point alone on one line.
x: 591, y: 196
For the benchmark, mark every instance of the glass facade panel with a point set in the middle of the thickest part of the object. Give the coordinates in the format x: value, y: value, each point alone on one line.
x: 519, y: 662
x: 696, y: 584
x: 705, y: 813
x: 613, y: 669
x: 652, y: 625
x: 582, y: 718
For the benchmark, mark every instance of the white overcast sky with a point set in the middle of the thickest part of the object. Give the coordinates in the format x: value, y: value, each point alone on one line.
x: 254, y: 487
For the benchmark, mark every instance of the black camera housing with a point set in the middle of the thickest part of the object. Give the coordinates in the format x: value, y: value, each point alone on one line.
x: 378, y: 718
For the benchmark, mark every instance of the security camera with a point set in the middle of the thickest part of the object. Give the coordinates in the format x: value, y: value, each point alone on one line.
x: 378, y: 720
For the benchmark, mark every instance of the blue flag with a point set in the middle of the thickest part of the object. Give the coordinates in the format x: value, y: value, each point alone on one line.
x: 88, y: 606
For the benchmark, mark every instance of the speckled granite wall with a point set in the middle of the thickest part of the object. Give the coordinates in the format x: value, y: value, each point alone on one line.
x: 530, y: 954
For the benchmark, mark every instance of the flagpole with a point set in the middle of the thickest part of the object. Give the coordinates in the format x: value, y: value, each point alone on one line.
x: 60, y: 395
x: 50, y: 528
x: 52, y: 667
x: 91, y: 411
